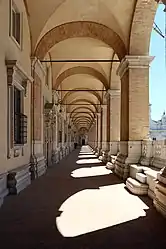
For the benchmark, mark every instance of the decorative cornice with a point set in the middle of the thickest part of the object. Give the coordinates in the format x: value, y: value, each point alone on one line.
x: 133, y: 62
x: 17, y: 76
x: 14, y: 67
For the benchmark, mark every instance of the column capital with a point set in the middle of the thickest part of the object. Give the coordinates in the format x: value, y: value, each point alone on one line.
x: 113, y: 92
x: 38, y: 67
x: 134, y: 62
x: 104, y: 106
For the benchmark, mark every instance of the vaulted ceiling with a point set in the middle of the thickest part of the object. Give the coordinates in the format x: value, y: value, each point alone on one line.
x: 82, y: 30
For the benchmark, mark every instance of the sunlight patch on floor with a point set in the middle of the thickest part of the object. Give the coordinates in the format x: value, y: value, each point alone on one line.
x: 87, y: 156
x: 88, y: 161
x: 92, y: 171
x: 85, y: 149
x: 94, y: 209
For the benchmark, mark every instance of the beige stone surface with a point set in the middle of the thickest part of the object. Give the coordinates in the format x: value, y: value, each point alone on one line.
x: 80, y: 30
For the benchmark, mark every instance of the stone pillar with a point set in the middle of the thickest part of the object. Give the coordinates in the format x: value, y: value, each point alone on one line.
x: 96, y: 142
x: 38, y: 165
x: 54, y: 137
x: 48, y: 127
x: 114, y: 120
x: 60, y: 135
x: 99, y: 133
x: 105, y: 128
x: 134, y: 74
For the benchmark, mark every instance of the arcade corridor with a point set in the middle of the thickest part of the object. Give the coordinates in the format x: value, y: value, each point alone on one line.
x: 79, y: 204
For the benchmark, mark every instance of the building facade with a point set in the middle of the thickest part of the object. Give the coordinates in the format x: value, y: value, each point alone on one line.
x: 72, y: 71
x: 158, y: 128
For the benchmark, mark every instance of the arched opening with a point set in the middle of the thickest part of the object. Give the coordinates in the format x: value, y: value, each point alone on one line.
x: 157, y: 77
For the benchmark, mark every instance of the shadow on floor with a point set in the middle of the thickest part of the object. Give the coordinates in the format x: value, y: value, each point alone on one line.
x: 28, y: 221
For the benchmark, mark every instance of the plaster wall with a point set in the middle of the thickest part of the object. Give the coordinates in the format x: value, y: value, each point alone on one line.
x: 9, y: 50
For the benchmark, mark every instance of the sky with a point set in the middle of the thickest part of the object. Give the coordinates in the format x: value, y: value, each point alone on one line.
x: 157, y: 87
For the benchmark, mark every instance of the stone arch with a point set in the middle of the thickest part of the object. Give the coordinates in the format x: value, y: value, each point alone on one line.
x: 82, y: 118
x: 80, y: 29
x: 84, y: 107
x: 84, y: 114
x: 142, y: 27
x: 80, y: 70
x: 84, y: 122
x: 84, y: 100
x: 89, y: 91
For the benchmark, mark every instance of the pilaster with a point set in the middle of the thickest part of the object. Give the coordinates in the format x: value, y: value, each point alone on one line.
x: 114, y: 120
x: 134, y: 74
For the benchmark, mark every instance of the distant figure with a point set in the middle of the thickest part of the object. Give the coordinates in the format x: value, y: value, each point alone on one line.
x: 75, y: 145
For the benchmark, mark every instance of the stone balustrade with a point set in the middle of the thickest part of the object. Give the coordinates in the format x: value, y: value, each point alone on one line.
x: 152, y: 168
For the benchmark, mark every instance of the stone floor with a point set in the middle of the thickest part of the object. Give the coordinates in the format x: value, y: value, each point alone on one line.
x: 79, y: 204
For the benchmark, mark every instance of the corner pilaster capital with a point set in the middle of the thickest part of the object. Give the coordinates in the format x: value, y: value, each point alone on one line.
x: 38, y: 67
x: 134, y: 62
x: 113, y: 92
x: 104, y: 107
x: 98, y: 114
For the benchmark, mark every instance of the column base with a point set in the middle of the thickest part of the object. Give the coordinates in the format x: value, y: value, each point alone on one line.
x: 130, y: 153
x: 3, y: 188
x: 160, y: 192
x: 104, y: 152
x: 160, y: 195
x: 55, y: 157
x: 41, y: 166
x: 105, y: 156
x: 98, y: 152
x: 114, y: 148
x: 147, y: 150
x: 71, y: 147
x: 18, y: 179
x: 121, y: 169
x: 37, y: 166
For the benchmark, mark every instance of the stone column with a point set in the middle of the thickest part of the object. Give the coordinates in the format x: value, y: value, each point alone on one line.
x: 114, y: 120
x: 134, y: 73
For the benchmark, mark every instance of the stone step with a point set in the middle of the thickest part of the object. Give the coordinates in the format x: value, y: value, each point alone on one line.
x: 136, y: 187
x: 110, y: 166
x: 141, y: 177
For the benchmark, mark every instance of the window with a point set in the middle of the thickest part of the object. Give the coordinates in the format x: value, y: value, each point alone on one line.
x: 47, y: 76
x: 15, y: 23
x: 20, y: 120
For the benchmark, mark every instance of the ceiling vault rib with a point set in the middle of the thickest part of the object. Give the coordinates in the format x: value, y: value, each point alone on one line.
x: 80, y: 104
x: 69, y: 61
x: 81, y: 90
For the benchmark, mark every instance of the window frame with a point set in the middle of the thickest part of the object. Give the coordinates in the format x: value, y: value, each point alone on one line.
x: 14, y: 7
x: 20, y: 113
